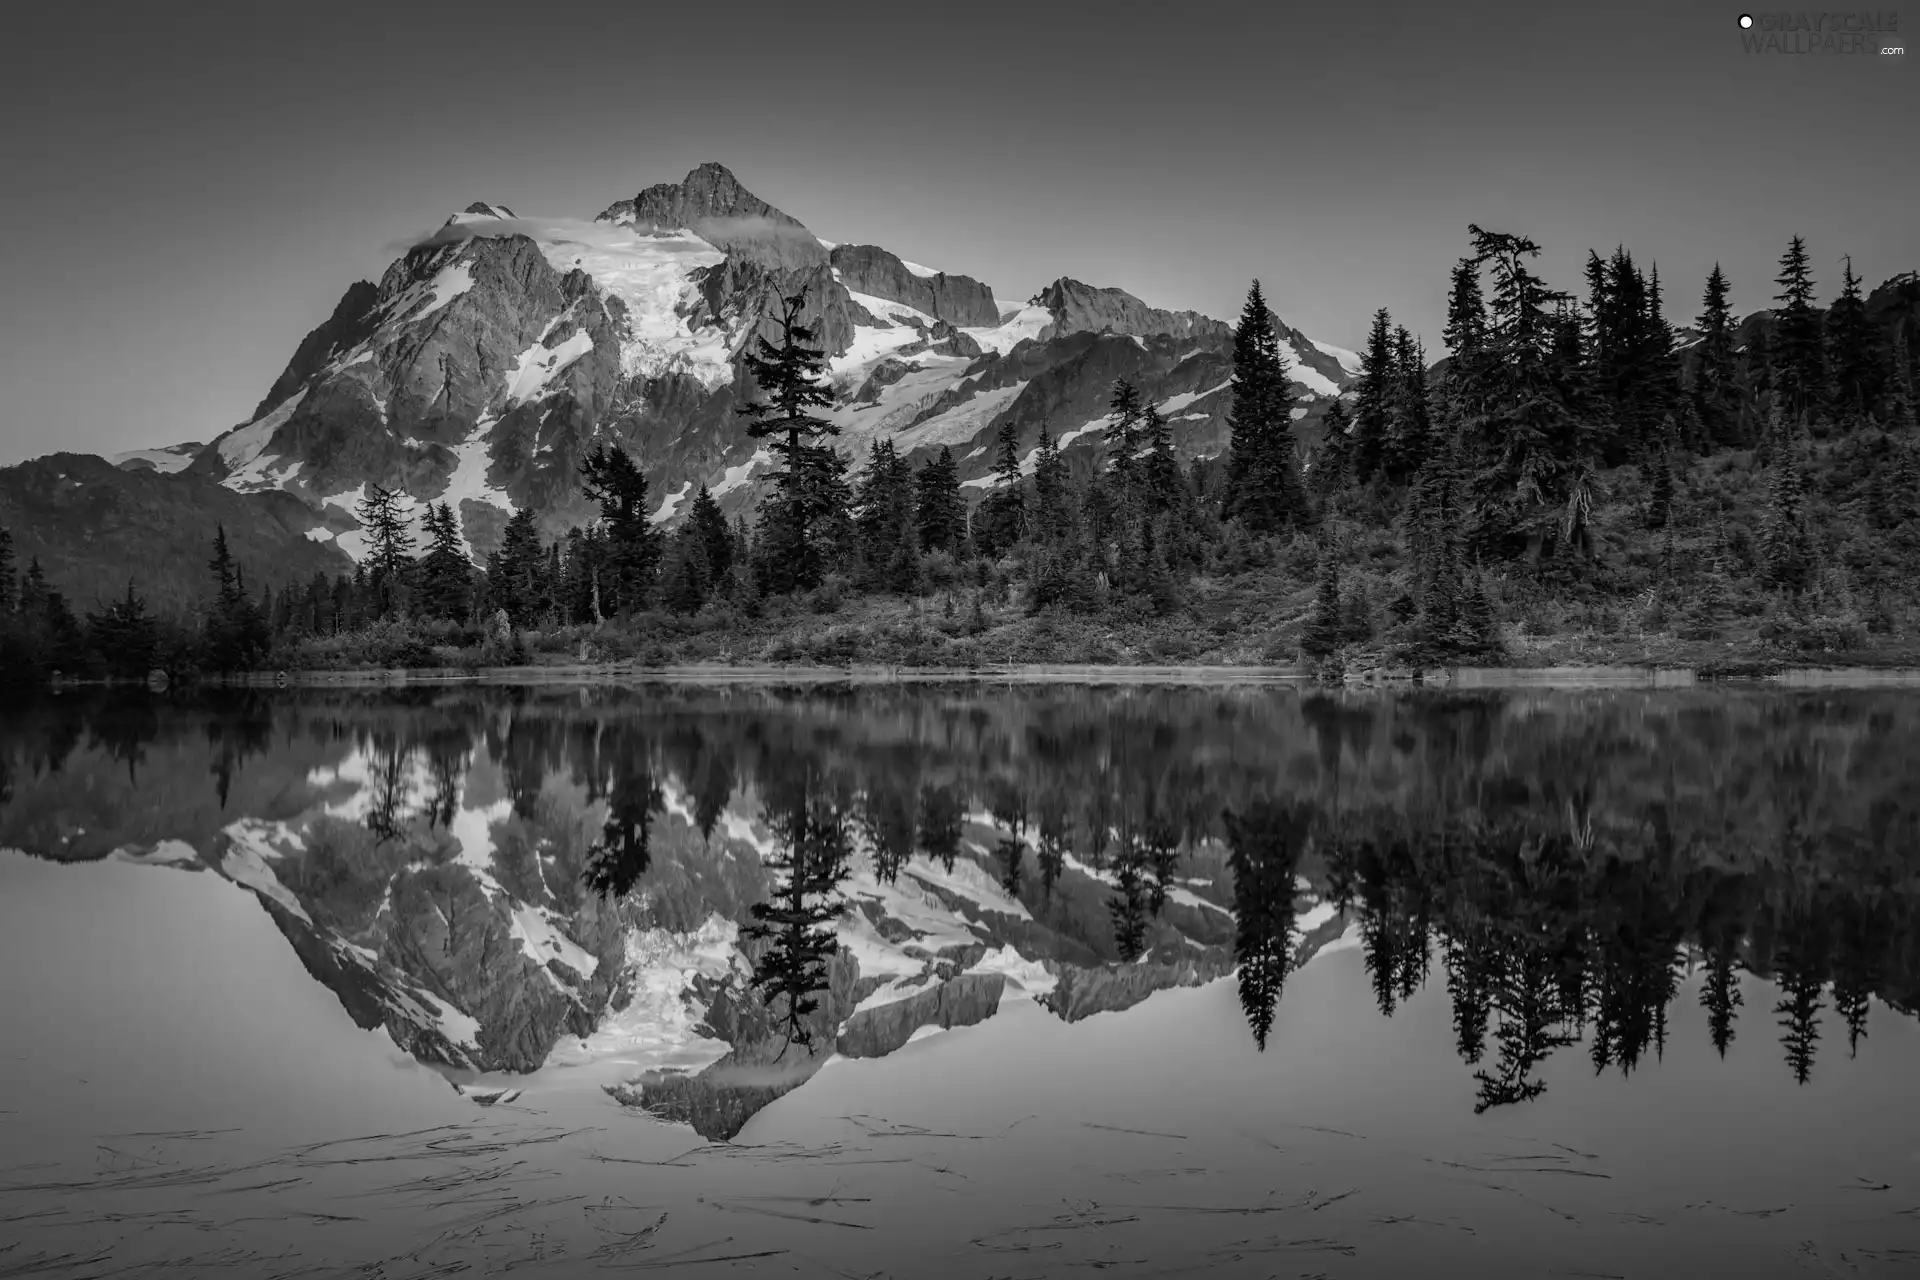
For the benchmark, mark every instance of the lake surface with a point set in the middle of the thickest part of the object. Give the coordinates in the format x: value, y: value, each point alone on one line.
x: 956, y: 980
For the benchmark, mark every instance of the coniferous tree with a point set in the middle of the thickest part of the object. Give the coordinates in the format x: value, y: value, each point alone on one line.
x: 1716, y: 395
x: 124, y: 636
x: 445, y: 573
x: 1002, y: 519
x: 1323, y: 632
x: 1123, y: 437
x: 610, y: 477
x: 1372, y: 401
x: 1332, y: 465
x: 516, y: 572
x: 389, y: 555
x: 716, y: 541
x: 1263, y: 481
x: 1407, y: 410
x: 940, y: 513
x: 1786, y: 545
x: 884, y: 521
x: 810, y: 494
x: 1798, y: 345
x: 1854, y: 363
x: 686, y: 578
x: 1162, y: 483
x: 236, y: 634
x: 1051, y: 504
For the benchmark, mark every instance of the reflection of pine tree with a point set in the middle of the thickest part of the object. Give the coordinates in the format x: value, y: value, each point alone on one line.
x: 624, y: 851
x: 1470, y: 967
x: 1159, y: 854
x: 1012, y: 855
x: 1800, y: 975
x: 886, y: 819
x: 1720, y: 997
x: 1264, y: 853
x: 1051, y: 852
x: 1128, y: 908
x: 940, y: 824
x: 812, y: 860
x: 1527, y: 997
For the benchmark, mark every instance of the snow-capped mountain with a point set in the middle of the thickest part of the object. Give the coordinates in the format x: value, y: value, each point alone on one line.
x: 495, y: 353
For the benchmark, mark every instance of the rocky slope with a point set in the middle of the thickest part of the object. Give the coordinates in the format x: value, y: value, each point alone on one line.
x: 491, y: 356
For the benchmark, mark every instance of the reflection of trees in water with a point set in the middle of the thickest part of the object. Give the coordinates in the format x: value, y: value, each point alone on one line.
x: 1265, y: 842
x: 1546, y: 939
x: 813, y: 852
x: 1583, y: 849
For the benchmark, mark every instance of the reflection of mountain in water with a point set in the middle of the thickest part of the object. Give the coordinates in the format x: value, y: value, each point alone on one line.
x: 730, y: 885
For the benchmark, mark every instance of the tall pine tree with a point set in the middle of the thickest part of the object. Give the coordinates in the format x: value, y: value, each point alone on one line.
x: 810, y: 492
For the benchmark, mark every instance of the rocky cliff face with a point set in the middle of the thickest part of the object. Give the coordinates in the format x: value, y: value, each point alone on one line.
x: 713, y: 205
x: 959, y: 300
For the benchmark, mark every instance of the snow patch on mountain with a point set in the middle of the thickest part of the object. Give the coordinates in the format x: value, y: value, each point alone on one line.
x: 739, y: 474
x: 244, y: 449
x: 249, y: 856
x: 671, y: 503
x: 536, y: 367
x: 1173, y: 404
x: 964, y: 421
x: 1348, y: 360
x: 172, y: 458
x: 1014, y: 328
x: 451, y: 281
x: 1313, y: 380
x: 650, y: 274
x: 542, y: 941
x: 925, y: 273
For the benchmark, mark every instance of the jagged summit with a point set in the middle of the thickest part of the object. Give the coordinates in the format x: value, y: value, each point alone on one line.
x: 711, y: 203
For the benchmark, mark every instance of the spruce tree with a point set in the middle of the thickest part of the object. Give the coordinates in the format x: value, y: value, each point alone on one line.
x: 1798, y: 347
x: 710, y: 527
x: 1123, y: 437
x: 124, y: 636
x: 810, y: 491
x: 1051, y: 501
x: 1002, y: 518
x: 1334, y: 461
x: 1407, y: 407
x: 515, y: 576
x: 389, y: 543
x: 1323, y: 631
x: 686, y: 577
x: 1372, y: 401
x: 940, y: 513
x: 884, y: 521
x: 1263, y: 482
x: 1854, y: 362
x: 1161, y: 480
x: 1786, y: 544
x: 445, y: 573
x: 1716, y: 393
x: 610, y: 477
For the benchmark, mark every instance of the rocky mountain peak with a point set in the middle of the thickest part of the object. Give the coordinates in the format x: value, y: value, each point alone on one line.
x: 711, y: 203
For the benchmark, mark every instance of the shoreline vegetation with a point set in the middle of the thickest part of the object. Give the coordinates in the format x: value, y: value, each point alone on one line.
x: 1565, y: 489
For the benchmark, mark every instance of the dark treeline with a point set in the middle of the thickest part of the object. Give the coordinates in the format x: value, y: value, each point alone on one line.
x: 1559, y: 864
x: 1571, y: 464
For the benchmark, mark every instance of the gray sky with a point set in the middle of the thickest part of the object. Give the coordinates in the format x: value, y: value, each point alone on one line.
x: 189, y: 188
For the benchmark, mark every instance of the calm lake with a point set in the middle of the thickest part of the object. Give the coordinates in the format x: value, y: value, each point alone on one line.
x: 960, y: 980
